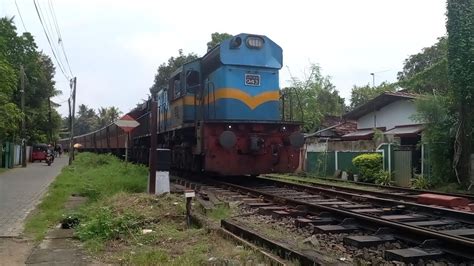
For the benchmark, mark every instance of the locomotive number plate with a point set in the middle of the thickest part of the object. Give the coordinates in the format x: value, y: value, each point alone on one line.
x: 252, y: 80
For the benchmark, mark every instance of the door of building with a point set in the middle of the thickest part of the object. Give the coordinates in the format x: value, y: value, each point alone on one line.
x: 403, y: 166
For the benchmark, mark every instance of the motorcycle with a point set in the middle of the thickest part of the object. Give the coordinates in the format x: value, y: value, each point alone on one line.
x: 49, y: 158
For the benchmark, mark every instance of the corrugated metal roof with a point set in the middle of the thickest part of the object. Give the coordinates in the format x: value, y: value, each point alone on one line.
x: 359, y: 134
x: 405, y: 130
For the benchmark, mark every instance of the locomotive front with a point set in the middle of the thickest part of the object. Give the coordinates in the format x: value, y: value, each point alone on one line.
x: 241, y: 130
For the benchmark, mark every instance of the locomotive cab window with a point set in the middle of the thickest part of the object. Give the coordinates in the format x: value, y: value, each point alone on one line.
x: 192, y: 80
x: 175, y: 88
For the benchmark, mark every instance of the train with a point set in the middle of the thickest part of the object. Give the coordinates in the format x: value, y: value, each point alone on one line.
x: 220, y: 114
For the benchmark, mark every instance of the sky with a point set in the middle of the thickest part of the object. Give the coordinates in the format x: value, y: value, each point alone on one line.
x: 114, y: 47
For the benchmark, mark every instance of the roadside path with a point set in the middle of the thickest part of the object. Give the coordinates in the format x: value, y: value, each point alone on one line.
x: 21, y: 190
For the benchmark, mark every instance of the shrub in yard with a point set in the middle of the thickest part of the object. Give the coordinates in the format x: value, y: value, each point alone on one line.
x: 369, y: 166
x: 420, y: 182
x: 384, y: 178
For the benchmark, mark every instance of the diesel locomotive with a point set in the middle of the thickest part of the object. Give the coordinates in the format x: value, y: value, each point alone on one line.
x: 220, y: 113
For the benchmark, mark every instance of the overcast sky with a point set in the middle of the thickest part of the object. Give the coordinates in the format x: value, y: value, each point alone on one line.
x: 114, y: 47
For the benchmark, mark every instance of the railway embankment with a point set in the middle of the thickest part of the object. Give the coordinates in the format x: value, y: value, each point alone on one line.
x: 118, y: 223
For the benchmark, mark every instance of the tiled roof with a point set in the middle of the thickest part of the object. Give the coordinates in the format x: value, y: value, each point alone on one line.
x: 380, y: 101
x: 339, y: 127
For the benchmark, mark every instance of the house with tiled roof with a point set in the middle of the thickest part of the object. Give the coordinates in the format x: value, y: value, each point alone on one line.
x: 385, y: 124
x: 391, y: 113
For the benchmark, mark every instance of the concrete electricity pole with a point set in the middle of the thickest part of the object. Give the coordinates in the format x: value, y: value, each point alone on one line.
x: 71, y: 119
x: 373, y: 79
x: 153, y: 145
x: 23, y: 120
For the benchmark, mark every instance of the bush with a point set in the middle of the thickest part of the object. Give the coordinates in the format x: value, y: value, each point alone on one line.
x: 420, y: 182
x: 369, y: 166
x: 384, y: 178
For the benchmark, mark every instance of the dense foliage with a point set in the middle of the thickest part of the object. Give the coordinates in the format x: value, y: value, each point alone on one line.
x: 166, y: 69
x: 311, y: 99
x: 361, y: 95
x: 438, y: 135
x: 88, y: 120
x: 16, y: 51
x: 369, y: 166
x: 427, y: 71
x: 217, y: 38
x: 424, y: 60
x: 460, y: 27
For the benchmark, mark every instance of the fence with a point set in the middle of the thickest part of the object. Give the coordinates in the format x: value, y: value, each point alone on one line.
x: 10, y: 154
x: 326, y: 163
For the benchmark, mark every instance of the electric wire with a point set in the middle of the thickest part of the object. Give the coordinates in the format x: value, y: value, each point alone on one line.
x: 58, y: 32
x: 49, y: 41
x: 21, y: 17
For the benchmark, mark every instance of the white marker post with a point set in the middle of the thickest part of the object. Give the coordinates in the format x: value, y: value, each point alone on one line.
x: 189, y: 195
x: 127, y: 124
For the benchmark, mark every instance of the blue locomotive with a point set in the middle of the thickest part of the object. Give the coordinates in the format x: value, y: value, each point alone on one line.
x: 221, y: 113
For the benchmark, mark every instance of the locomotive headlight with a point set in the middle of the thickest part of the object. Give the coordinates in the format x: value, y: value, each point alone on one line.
x: 254, y: 42
x: 227, y: 139
x: 296, y: 139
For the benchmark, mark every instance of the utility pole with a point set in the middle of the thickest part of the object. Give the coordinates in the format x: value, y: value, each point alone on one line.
x: 23, y: 120
x: 50, y: 121
x: 373, y: 79
x: 71, y: 119
x: 152, y: 156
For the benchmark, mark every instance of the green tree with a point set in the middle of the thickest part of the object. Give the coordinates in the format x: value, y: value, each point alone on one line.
x: 166, y: 69
x: 460, y: 28
x: 426, y: 71
x: 87, y: 120
x: 21, y: 50
x: 438, y: 135
x: 217, y: 38
x: 427, y: 58
x: 361, y: 95
x: 107, y: 116
x: 313, y: 98
x: 9, y: 112
x: 431, y: 80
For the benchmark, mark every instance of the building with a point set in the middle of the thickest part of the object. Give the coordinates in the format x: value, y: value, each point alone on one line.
x: 392, y: 113
x: 385, y: 124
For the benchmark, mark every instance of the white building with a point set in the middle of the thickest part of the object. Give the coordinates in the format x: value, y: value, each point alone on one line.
x: 393, y: 113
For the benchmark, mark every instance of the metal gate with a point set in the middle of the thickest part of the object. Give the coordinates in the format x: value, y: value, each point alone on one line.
x: 403, y: 167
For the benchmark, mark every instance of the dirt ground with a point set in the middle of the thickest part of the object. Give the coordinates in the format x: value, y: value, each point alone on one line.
x: 14, y: 251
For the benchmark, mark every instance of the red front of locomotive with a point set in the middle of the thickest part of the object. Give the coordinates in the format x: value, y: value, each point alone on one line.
x: 241, y: 148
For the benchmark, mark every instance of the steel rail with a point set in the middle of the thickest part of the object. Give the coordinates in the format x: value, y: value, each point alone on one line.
x: 282, y: 250
x: 378, y: 198
x: 459, y: 246
x: 393, y: 188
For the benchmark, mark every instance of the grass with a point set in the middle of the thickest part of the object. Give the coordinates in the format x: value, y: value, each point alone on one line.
x: 3, y: 170
x: 113, y: 229
x: 93, y: 176
x: 219, y: 213
x: 113, y: 220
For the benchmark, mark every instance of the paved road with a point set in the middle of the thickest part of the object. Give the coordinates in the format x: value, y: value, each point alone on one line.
x: 21, y: 190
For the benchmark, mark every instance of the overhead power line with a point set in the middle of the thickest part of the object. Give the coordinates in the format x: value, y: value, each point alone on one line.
x: 21, y: 18
x: 49, y: 41
x: 58, y: 31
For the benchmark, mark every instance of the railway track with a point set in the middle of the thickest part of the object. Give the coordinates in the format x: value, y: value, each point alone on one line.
x: 429, y: 232
x: 403, y: 193
x: 384, y: 199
